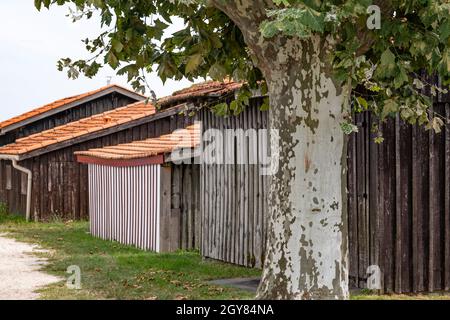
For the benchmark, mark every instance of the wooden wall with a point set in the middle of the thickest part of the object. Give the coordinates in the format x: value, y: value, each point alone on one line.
x: 60, y: 184
x: 100, y: 105
x: 152, y: 207
x: 12, y: 197
x: 233, y: 197
x: 399, y: 204
x: 180, y: 214
x: 124, y: 204
x: 185, y: 204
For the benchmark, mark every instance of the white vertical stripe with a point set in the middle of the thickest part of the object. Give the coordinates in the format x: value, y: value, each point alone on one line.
x: 124, y: 204
x: 157, y: 201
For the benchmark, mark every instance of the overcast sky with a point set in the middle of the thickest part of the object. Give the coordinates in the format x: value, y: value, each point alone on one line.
x: 31, y: 42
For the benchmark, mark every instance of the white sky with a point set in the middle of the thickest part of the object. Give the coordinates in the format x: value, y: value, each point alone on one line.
x: 31, y: 43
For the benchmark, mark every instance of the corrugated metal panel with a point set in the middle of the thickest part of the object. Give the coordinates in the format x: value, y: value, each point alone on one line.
x: 124, y: 204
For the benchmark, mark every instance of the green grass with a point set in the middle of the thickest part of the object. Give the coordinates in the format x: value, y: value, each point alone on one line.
x: 428, y: 296
x: 3, y: 210
x: 114, y: 271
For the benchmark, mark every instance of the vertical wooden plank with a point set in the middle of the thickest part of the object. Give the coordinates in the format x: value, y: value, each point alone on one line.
x: 352, y: 213
x: 186, y: 215
x: 198, y: 222
x: 176, y: 193
x: 165, y: 208
x: 389, y: 174
x: 361, y: 202
x: 437, y: 147
x: 223, y: 194
x: 203, y: 192
x: 416, y: 225
x: 241, y: 186
x: 398, y: 226
x: 213, y: 200
x: 233, y: 197
x: 447, y: 202
x: 246, y: 194
x: 258, y: 239
x: 374, y: 206
x: 405, y: 204
x: 227, y: 185
x: 433, y: 208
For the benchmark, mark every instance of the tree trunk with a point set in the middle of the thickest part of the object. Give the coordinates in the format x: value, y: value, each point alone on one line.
x: 307, y: 254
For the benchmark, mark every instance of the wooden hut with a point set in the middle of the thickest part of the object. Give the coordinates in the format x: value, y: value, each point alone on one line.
x: 137, y: 196
x: 66, y: 110
x: 59, y: 185
x: 399, y: 213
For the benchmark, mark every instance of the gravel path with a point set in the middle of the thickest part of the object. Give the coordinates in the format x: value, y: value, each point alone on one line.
x: 19, y: 271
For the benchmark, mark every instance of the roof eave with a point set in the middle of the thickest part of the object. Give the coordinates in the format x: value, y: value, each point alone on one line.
x: 150, y: 118
x: 9, y: 157
x: 113, y: 89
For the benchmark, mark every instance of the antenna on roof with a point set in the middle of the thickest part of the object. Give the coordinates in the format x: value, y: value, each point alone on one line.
x: 108, y: 80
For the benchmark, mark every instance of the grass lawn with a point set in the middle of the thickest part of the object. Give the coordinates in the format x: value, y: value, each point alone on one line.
x: 114, y: 271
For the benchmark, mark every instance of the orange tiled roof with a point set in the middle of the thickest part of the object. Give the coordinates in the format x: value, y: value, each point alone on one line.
x: 186, y: 138
x: 205, y: 89
x: 57, y: 104
x: 78, y: 128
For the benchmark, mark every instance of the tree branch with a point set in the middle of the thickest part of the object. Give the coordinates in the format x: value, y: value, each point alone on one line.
x: 248, y: 16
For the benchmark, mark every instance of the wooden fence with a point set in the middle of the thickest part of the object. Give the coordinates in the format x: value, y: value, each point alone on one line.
x: 399, y: 201
x: 399, y: 204
x: 233, y: 197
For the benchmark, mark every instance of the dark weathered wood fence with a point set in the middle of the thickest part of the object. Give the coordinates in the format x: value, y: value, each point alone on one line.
x: 399, y: 204
x: 399, y: 201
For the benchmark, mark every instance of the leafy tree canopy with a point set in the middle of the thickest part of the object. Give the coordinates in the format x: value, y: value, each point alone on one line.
x: 389, y: 68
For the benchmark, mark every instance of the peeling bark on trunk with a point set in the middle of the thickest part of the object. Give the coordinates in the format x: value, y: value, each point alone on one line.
x: 307, y: 237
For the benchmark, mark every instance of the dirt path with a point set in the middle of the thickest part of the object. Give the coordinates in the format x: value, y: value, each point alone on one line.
x: 19, y: 271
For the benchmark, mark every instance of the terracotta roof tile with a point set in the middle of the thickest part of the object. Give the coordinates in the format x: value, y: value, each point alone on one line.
x: 210, y: 88
x: 56, y: 104
x: 78, y: 128
x: 187, y: 138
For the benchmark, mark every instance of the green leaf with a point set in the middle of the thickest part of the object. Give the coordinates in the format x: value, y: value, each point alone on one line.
x: 387, y: 63
x: 193, y: 63
x: 37, y: 4
x: 390, y: 106
x: 220, y: 109
x: 266, y: 105
x: 283, y: 2
x: 112, y: 60
x: 401, y: 78
x: 349, y: 128
x: 363, y: 103
x: 217, y: 72
x: 117, y: 45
